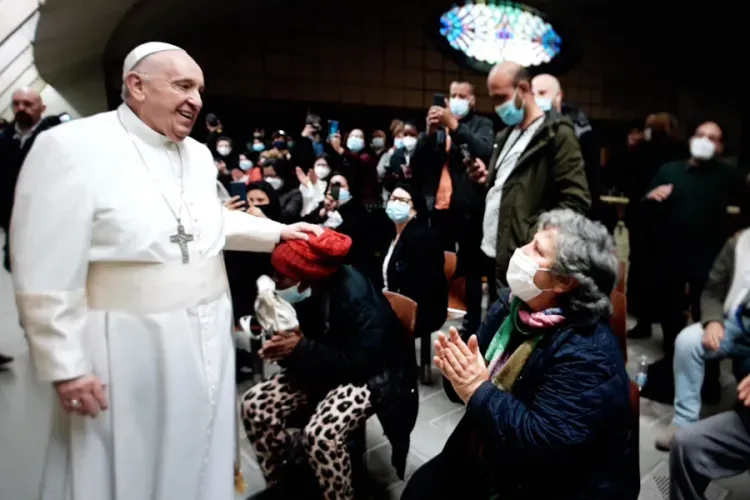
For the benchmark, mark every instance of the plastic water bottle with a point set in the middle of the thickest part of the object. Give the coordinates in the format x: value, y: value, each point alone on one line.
x: 642, y: 374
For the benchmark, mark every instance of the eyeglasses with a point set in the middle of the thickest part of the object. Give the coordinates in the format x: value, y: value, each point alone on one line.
x: 402, y: 200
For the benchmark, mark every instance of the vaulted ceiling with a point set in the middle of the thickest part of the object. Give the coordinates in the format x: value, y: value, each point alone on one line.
x: 67, y: 42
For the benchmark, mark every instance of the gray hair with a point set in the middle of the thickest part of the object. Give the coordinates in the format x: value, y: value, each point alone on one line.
x: 585, y: 252
x: 141, y: 71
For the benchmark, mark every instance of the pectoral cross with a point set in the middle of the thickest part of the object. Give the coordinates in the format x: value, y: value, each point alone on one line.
x: 182, y: 239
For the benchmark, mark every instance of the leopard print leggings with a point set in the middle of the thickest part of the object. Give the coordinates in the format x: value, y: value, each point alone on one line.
x: 266, y: 407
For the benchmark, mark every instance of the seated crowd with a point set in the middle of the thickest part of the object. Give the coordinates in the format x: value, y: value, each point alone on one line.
x: 542, y: 375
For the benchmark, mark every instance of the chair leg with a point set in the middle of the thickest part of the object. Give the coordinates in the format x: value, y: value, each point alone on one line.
x: 425, y: 355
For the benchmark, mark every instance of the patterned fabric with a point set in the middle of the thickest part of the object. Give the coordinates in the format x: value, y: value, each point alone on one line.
x: 505, y: 366
x: 266, y: 407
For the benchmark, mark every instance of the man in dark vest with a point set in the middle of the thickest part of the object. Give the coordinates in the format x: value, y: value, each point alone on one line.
x: 16, y: 140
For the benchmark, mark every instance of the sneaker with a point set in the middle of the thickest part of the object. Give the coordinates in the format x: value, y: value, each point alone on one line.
x: 664, y: 442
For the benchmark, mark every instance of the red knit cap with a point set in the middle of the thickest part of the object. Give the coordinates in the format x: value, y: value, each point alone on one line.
x: 312, y: 260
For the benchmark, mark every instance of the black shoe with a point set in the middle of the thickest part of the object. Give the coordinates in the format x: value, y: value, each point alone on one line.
x: 5, y: 359
x: 268, y: 494
x: 640, y: 331
x: 244, y: 374
x: 660, y: 383
x: 711, y: 393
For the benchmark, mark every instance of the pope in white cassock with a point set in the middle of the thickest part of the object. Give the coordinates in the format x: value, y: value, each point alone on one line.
x: 117, y: 234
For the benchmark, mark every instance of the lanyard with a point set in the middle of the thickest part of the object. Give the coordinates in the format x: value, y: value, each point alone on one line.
x: 515, y: 141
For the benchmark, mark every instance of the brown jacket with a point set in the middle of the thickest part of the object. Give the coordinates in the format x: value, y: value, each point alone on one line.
x: 549, y: 174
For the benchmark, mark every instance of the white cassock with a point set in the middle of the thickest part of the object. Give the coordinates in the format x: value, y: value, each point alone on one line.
x: 102, y: 289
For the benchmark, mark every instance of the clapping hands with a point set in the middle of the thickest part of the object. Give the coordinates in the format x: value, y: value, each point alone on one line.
x: 461, y: 363
x: 743, y: 391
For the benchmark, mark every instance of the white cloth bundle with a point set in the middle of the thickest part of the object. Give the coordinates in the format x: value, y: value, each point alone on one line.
x: 272, y: 312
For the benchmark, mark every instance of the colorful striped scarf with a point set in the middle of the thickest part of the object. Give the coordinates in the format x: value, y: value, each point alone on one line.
x: 504, y: 366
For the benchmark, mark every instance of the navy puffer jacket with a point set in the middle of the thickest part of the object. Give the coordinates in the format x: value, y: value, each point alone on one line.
x: 566, y: 431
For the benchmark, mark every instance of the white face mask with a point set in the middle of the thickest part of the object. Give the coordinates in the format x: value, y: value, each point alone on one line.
x: 410, y: 143
x: 275, y: 182
x: 322, y: 171
x: 459, y: 107
x: 702, y: 148
x: 520, y: 276
x: 647, y: 133
x: 224, y: 150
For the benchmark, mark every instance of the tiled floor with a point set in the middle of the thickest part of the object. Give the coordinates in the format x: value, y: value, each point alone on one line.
x: 25, y: 409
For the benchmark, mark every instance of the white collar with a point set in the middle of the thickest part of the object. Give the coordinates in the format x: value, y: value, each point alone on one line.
x: 138, y: 128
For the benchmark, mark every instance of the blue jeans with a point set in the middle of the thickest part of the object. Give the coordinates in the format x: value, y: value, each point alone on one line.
x: 690, y: 366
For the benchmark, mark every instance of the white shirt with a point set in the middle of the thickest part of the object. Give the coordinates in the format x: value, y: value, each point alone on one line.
x: 386, y: 262
x: 312, y: 195
x: 25, y: 136
x: 514, y: 146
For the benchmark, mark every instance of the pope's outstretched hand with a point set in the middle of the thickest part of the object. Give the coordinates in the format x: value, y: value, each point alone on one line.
x: 300, y: 231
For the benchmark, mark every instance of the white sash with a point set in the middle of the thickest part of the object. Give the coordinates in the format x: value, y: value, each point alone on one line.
x: 147, y: 288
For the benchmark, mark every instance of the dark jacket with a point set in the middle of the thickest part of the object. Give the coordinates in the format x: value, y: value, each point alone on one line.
x: 590, y: 153
x: 694, y: 218
x: 548, y: 175
x: 417, y: 270
x: 364, y: 343
x: 427, y: 162
x: 361, y: 171
x: 568, y: 425
x: 12, y: 156
x: 354, y: 225
x: 398, y: 169
x: 291, y: 205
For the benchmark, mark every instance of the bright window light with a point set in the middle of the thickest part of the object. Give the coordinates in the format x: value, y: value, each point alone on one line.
x: 491, y: 34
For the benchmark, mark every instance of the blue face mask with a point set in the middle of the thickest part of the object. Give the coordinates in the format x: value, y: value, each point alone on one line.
x: 544, y: 103
x: 398, y: 211
x: 258, y: 147
x: 459, y: 107
x: 280, y: 145
x: 509, y: 113
x: 344, y: 195
x: 293, y: 295
x: 398, y: 142
x: 355, y: 144
x: 245, y: 165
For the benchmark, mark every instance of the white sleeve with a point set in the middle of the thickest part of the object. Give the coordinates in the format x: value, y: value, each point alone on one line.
x: 247, y: 233
x: 311, y: 196
x: 383, y: 163
x: 50, y: 239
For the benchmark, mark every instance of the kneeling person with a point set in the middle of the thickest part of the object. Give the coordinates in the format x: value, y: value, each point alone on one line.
x: 351, y: 357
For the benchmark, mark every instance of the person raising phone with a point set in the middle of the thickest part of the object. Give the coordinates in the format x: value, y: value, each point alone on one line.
x: 454, y: 204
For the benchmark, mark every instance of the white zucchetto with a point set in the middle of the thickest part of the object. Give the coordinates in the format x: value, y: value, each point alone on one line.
x: 141, y: 52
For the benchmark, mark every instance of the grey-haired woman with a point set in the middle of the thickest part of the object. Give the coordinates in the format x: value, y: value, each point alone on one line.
x: 544, y: 381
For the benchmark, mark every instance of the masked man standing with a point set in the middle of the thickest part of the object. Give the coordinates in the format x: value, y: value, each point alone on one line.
x: 123, y: 295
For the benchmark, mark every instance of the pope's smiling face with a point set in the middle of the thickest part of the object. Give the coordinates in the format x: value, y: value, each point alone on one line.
x: 167, y: 90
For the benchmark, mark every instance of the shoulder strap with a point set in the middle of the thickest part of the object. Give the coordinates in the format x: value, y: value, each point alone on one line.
x: 326, y: 311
